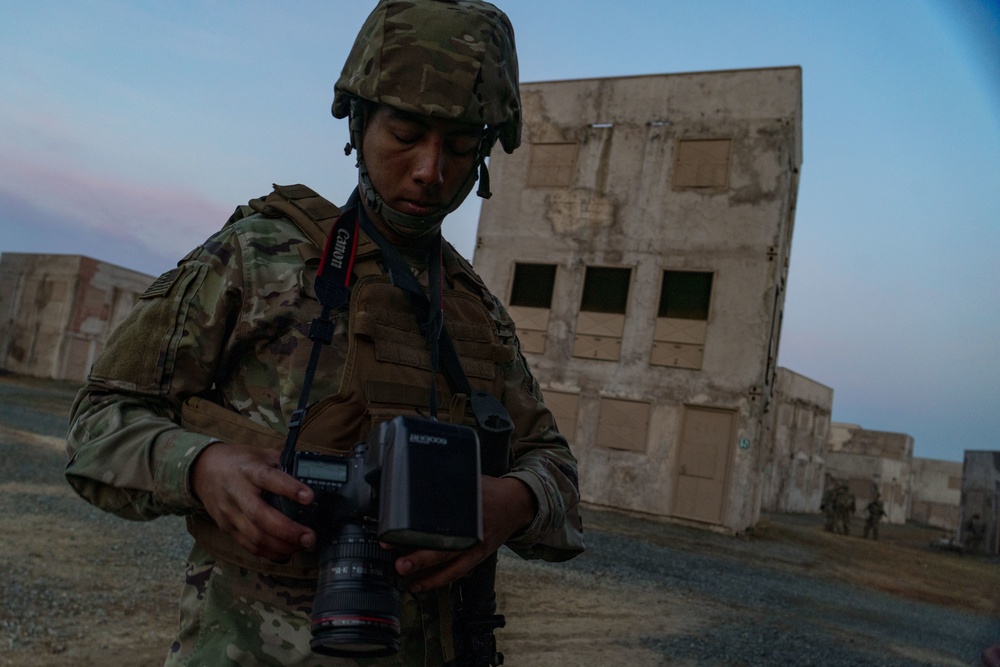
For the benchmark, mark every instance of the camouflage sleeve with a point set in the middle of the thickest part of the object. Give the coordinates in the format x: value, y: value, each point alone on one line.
x: 129, y: 457
x: 543, y: 461
x: 128, y: 454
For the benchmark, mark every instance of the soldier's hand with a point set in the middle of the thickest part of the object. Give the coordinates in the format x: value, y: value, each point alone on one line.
x: 229, y: 480
x: 508, y: 506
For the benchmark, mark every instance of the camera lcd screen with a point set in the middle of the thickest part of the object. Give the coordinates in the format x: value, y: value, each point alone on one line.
x: 326, y: 471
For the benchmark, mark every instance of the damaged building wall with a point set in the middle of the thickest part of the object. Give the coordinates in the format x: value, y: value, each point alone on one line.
x: 641, y: 236
x: 872, y: 462
x: 794, y: 470
x: 936, y: 492
x: 56, y: 311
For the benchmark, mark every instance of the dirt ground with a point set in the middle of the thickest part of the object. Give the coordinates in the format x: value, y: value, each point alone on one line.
x: 82, y: 588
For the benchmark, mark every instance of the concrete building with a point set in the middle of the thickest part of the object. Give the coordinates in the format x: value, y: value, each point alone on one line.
x: 56, y: 311
x: 641, y: 237
x: 936, y: 493
x: 870, y: 462
x: 796, y: 462
x: 981, y: 494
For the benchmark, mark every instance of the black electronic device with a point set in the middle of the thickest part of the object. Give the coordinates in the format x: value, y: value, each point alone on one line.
x: 415, y: 483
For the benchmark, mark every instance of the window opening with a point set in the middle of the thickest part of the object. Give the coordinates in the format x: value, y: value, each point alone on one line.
x: 533, y: 284
x: 529, y: 304
x: 605, y: 290
x: 682, y: 319
x: 601, y: 321
x: 685, y: 295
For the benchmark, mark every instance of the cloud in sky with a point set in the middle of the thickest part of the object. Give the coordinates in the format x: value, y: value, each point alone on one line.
x: 164, y: 223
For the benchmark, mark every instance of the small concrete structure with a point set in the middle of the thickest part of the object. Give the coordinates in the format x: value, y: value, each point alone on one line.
x: 796, y: 462
x: 981, y: 494
x: 641, y: 237
x: 936, y: 493
x: 56, y: 311
x: 872, y: 462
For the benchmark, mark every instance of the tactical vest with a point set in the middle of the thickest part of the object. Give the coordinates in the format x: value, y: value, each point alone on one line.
x: 387, y: 370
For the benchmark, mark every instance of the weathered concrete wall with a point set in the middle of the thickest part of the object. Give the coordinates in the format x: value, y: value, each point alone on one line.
x: 794, y: 471
x: 619, y: 209
x: 56, y: 311
x: 936, y: 493
x: 981, y: 493
x: 870, y: 462
x: 851, y: 438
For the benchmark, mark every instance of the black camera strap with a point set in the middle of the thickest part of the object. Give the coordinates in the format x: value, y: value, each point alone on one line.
x: 332, y: 285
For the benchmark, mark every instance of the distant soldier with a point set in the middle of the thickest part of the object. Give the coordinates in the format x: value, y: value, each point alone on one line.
x: 829, y: 508
x: 845, y: 509
x: 874, y: 511
x: 973, y: 534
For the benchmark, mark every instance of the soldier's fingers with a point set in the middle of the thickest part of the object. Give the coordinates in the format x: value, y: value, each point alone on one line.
x: 271, y: 479
x: 426, y: 570
x: 231, y: 481
x: 266, y: 532
x: 444, y: 573
x: 423, y: 559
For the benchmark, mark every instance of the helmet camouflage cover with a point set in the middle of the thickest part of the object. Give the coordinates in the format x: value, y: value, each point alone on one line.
x: 447, y: 58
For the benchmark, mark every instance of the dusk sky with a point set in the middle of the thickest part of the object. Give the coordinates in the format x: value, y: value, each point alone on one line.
x: 131, y: 130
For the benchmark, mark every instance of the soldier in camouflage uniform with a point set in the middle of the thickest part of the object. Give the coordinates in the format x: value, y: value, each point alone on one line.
x: 874, y: 511
x: 829, y: 507
x: 187, y: 407
x: 845, y: 508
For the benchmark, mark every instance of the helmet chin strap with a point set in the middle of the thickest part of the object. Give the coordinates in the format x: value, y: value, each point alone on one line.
x: 412, y: 226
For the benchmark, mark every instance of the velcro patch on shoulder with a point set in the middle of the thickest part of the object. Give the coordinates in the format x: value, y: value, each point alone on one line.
x: 161, y: 286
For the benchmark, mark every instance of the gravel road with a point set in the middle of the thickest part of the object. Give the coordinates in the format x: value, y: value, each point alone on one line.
x: 758, y: 615
x: 645, y: 593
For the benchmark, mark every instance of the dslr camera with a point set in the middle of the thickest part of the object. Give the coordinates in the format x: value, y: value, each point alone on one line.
x: 414, y: 483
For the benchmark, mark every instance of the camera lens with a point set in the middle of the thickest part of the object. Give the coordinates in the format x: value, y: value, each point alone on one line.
x: 358, y: 596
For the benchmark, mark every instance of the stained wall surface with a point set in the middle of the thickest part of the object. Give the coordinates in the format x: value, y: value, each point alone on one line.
x: 873, y: 462
x: 56, y: 311
x: 937, y: 492
x: 794, y: 471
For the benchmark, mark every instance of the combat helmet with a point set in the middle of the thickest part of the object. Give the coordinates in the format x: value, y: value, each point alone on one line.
x: 452, y: 59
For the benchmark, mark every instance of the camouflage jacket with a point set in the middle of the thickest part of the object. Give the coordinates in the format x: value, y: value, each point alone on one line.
x: 231, y: 322
x: 874, y: 511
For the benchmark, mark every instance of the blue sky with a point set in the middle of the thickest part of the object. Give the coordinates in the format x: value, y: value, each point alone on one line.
x: 132, y: 129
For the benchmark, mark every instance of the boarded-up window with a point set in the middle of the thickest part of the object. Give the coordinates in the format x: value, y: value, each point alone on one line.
x: 623, y: 424
x: 601, y: 321
x: 682, y: 319
x: 552, y: 165
x: 702, y: 163
x: 530, y: 301
x: 564, y: 406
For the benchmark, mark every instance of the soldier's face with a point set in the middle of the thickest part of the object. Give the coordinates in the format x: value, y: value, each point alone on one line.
x: 418, y: 164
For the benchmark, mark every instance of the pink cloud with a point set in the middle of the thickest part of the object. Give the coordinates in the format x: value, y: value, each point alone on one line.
x: 166, y: 219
